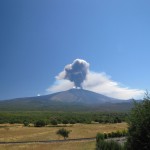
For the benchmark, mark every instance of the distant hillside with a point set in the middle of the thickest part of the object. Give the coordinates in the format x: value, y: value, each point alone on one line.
x: 71, y: 100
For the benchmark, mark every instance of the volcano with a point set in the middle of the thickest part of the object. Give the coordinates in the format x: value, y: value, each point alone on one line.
x: 71, y: 100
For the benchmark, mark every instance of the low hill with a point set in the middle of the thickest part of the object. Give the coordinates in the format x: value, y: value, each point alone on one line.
x: 71, y: 100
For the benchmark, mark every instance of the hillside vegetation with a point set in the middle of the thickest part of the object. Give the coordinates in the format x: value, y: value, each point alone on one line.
x: 61, y: 117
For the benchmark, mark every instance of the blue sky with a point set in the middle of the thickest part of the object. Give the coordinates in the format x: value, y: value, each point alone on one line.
x: 38, y: 38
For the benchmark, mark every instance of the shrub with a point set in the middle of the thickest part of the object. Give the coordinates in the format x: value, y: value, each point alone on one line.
x: 108, y: 145
x: 100, y: 121
x: 40, y: 123
x: 117, y: 134
x: 113, y: 134
x: 72, y: 121
x: 101, y: 144
x: 99, y: 137
x: 26, y: 123
x: 124, y: 133
x: 54, y: 122
x: 65, y: 121
x: 87, y: 121
x: 117, y: 120
x: 105, y: 135
x: 109, y: 135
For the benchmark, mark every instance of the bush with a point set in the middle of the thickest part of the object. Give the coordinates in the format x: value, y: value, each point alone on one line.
x: 100, y: 121
x: 72, y: 121
x: 54, y: 122
x: 40, y: 123
x: 117, y: 120
x: 111, y: 135
x: 108, y: 145
x: 65, y: 121
x: 87, y: 121
x: 105, y: 135
x: 124, y: 133
x: 26, y: 123
x: 99, y: 137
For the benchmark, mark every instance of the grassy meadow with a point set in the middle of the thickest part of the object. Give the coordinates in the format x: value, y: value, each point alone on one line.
x: 17, y: 132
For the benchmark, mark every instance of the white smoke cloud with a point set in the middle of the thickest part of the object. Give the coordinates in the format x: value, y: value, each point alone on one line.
x: 60, y: 85
x: 100, y: 83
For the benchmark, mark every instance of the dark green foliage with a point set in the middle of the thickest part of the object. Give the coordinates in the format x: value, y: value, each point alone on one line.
x: 26, y: 123
x: 65, y: 121
x: 105, y: 135
x: 40, y: 123
x: 117, y: 120
x: 88, y: 121
x: 102, y: 144
x: 109, y: 145
x: 109, y: 135
x: 72, y: 121
x: 139, y: 126
x: 99, y: 137
x: 54, y: 122
x: 112, y: 134
x: 63, y: 132
x: 124, y: 133
x: 60, y: 117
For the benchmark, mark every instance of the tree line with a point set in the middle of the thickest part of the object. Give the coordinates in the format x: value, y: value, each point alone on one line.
x: 55, y: 118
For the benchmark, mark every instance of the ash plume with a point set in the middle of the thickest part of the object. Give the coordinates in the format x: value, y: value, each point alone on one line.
x: 75, y: 72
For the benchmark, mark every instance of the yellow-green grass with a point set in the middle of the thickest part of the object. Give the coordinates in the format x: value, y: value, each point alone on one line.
x: 20, y: 133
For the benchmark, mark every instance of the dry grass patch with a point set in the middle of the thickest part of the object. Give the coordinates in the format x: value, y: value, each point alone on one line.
x: 21, y: 133
x: 87, y: 145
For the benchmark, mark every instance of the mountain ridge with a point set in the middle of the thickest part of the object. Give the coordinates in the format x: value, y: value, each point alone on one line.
x: 73, y: 99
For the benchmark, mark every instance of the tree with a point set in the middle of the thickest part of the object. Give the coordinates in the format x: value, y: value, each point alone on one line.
x: 63, y: 132
x: 139, y: 126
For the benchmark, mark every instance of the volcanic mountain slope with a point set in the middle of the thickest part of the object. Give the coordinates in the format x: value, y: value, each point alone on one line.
x: 71, y: 100
x: 82, y: 96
